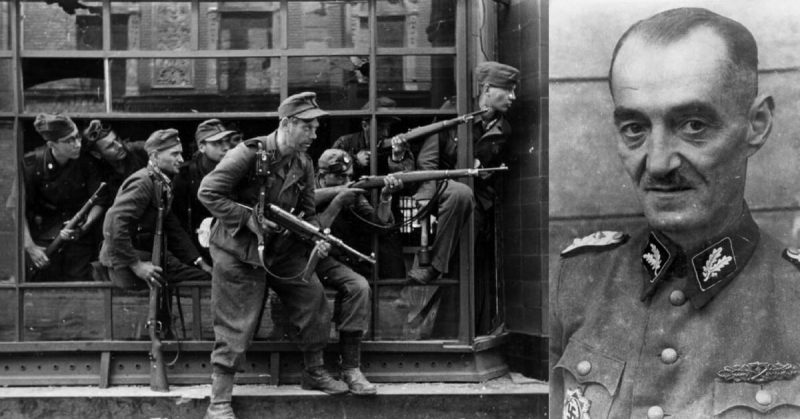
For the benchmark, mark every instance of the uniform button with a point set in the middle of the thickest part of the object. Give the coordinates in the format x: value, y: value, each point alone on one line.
x: 677, y: 297
x: 655, y: 412
x: 669, y: 356
x: 584, y: 367
x: 763, y: 397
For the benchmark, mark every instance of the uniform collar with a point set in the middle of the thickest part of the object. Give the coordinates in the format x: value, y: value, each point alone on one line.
x: 708, y: 268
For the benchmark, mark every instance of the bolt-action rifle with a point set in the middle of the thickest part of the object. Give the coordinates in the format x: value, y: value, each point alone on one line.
x: 73, y: 222
x: 158, y: 369
x: 426, y: 131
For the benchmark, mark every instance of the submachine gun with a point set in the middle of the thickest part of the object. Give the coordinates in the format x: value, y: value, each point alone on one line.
x: 426, y: 131
x: 158, y: 368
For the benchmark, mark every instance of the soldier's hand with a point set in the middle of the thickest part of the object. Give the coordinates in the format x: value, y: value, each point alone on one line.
x: 362, y: 158
x: 147, y: 271
x: 399, y: 148
x: 479, y: 165
x: 70, y: 234
x: 323, y: 248
x: 38, y: 256
x: 348, y: 196
x: 391, y: 185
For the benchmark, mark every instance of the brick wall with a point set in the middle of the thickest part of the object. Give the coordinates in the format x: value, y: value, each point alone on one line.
x: 522, y: 42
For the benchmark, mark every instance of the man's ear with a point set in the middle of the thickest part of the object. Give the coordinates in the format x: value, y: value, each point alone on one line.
x: 759, y: 122
x: 365, y: 125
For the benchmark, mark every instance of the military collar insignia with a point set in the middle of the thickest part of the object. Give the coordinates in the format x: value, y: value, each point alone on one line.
x: 576, y: 406
x: 711, y: 266
x: 714, y: 263
x: 758, y: 372
x: 597, y: 240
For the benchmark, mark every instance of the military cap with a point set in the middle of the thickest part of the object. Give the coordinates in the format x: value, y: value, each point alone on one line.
x: 210, y: 131
x: 496, y: 74
x: 334, y: 160
x: 162, y: 140
x: 54, y: 127
x: 96, y: 131
x: 383, y: 103
x: 301, y: 105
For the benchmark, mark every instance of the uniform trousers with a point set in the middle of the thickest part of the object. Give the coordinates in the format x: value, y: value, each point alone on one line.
x: 454, y: 208
x: 239, y: 289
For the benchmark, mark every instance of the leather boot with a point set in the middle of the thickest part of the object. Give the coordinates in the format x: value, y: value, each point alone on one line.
x: 316, y: 377
x: 221, y: 395
x: 350, y: 343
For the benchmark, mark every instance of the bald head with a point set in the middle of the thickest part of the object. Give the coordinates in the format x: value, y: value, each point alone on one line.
x: 740, y: 66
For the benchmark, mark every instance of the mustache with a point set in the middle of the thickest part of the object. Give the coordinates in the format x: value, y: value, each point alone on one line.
x: 671, y: 181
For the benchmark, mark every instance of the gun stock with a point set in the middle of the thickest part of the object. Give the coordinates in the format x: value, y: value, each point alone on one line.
x: 73, y: 222
x: 430, y: 129
x: 158, y: 369
x: 370, y: 182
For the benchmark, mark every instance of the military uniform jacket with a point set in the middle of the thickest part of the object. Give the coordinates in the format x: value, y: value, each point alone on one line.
x: 129, y: 224
x: 290, y: 186
x: 353, y: 143
x: 54, y: 193
x: 639, y: 328
x: 186, y: 206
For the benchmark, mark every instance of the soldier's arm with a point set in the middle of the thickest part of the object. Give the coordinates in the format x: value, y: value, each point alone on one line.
x: 178, y: 240
x: 216, y: 189
x: 134, y: 196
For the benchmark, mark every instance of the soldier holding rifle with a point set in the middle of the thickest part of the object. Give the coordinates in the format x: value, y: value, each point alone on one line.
x: 276, y: 169
x: 58, y: 181
x: 130, y: 224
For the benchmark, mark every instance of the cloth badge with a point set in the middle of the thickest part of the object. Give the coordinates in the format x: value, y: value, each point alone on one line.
x: 598, y: 239
x: 656, y: 258
x: 714, y: 264
x: 575, y: 405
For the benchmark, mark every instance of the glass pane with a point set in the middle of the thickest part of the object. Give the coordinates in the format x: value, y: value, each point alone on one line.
x: 188, y: 85
x: 334, y: 79
x: 64, y: 315
x: 6, y: 94
x: 8, y: 194
x: 151, y: 26
x: 319, y: 24
x: 414, y: 24
x: 240, y: 25
x: 63, y: 85
x: 417, y: 81
x: 5, y: 27
x: 67, y: 27
x: 8, y: 315
x: 417, y: 312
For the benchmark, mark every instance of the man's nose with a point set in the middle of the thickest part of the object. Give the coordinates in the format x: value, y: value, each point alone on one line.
x: 662, y: 156
x: 512, y: 96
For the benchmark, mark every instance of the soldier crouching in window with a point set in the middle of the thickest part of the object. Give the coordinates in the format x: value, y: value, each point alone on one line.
x: 59, y: 180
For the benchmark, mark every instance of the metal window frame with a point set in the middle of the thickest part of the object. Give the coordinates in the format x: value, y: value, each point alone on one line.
x: 466, y: 331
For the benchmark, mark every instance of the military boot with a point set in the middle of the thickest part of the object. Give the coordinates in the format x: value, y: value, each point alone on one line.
x: 316, y: 377
x: 350, y: 343
x: 221, y: 394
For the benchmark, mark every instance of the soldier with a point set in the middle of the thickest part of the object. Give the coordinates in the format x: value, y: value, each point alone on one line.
x: 116, y: 159
x: 360, y: 219
x: 696, y: 314
x: 240, y: 278
x: 129, y: 225
x: 213, y: 141
x: 357, y: 143
x: 58, y: 181
x: 490, y: 132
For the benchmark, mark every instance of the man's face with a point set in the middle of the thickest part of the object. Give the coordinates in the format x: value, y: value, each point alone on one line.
x: 498, y: 98
x: 682, y: 134
x: 69, y: 147
x: 301, y: 134
x: 169, y: 160
x: 215, y: 150
x: 109, y: 148
x: 337, y: 179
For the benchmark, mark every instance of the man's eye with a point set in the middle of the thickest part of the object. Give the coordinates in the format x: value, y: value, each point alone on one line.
x: 693, y: 127
x: 632, y: 131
